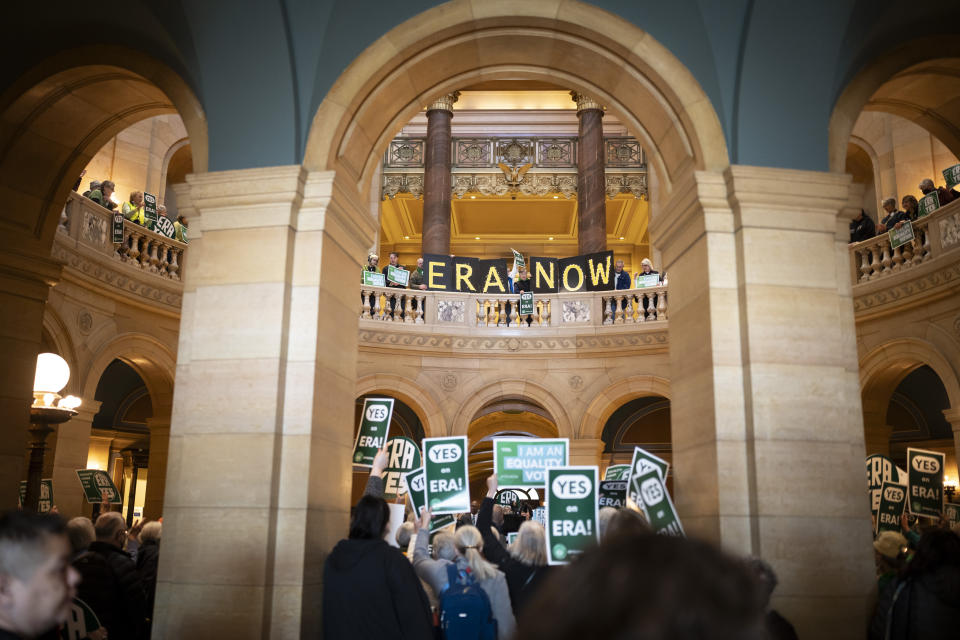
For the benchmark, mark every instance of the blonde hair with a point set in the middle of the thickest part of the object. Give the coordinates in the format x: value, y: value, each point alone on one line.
x: 469, y: 542
x: 530, y: 546
x: 135, y: 193
x: 646, y: 261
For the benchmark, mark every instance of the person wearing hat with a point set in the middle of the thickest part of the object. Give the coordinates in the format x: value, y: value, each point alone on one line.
x: 890, y: 554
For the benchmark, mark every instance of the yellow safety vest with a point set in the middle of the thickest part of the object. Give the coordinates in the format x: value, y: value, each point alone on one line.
x: 134, y: 213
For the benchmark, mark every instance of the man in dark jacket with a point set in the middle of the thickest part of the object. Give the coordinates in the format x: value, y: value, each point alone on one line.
x: 111, y: 585
x: 622, y: 277
x: 369, y: 588
x: 894, y: 218
x: 862, y: 228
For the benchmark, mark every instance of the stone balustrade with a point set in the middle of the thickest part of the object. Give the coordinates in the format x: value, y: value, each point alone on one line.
x: 551, y: 311
x: 91, y: 225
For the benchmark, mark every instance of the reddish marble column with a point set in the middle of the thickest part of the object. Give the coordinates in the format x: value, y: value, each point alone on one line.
x: 436, y: 176
x: 591, y: 179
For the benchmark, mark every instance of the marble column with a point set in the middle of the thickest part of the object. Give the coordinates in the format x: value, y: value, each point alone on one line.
x: 436, y: 176
x: 159, y: 426
x: 25, y: 281
x: 259, y: 466
x: 70, y: 452
x: 591, y: 179
x: 586, y: 451
x: 755, y: 350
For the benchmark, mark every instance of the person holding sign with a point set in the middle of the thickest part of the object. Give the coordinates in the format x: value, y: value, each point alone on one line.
x: 894, y: 218
x: 180, y: 229
x: 944, y: 195
x: 370, y: 591
x: 132, y: 209
x: 911, y: 207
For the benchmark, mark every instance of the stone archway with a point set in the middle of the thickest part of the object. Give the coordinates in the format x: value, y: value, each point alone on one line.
x: 418, y: 399
x: 607, y: 401
x: 500, y: 389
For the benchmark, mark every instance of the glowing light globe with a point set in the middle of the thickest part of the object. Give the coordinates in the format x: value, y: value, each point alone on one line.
x: 52, y: 375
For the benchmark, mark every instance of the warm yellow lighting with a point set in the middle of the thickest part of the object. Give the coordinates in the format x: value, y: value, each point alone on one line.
x: 621, y: 237
x: 70, y: 402
x: 48, y: 399
x: 556, y: 197
x: 477, y: 238
x: 406, y: 237
x: 113, y: 198
x: 473, y: 197
x: 52, y: 373
x: 550, y: 238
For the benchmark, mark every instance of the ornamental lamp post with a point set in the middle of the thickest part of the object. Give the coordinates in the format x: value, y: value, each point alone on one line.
x: 48, y: 408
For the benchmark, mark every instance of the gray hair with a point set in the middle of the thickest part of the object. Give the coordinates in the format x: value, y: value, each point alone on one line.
x: 445, y: 546
x: 108, y: 184
x: 889, y: 201
x: 81, y: 533
x: 404, y: 533
x: 606, y: 513
x: 530, y: 545
x: 151, y: 531
x: 926, y: 182
x: 108, y: 524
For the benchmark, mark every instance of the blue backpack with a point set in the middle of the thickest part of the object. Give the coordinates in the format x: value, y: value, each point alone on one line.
x: 465, y: 611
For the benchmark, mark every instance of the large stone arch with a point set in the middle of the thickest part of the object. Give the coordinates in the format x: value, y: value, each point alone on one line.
x: 612, y: 397
x: 906, y: 58
x: 512, y: 388
x: 59, y: 334
x: 886, y: 365
x: 568, y: 43
x: 414, y: 396
x: 150, y: 358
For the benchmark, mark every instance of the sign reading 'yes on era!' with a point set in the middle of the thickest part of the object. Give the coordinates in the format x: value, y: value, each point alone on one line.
x: 416, y: 482
x: 448, y: 483
x: 374, y: 426
x: 925, y: 473
x: 522, y: 462
x: 881, y: 469
x: 98, y: 487
x: 613, y: 493
x: 655, y: 502
x: 893, y: 499
x: 571, y: 512
x: 644, y: 462
x: 403, y: 455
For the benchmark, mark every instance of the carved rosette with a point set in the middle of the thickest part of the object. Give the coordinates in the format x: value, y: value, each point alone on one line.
x: 394, y: 183
x: 635, y: 184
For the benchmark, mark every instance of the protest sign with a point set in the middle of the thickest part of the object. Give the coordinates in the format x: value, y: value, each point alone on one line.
x: 893, y: 499
x: 403, y: 455
x: 507, y: 498
x: 165, y: 227
x: 98, y: 487
x: 571, y: 512
x: 493, y: 276
x: 518, y: 259
x: 617, y: 472
x: 398, y: 275
x: 521, y: 462
x: 448, y: 482
x: 116, y: 229
x: 928, y: 204
x: 417, y: 493
x: 654, y: 500
x: 952, y: 176
x: 374, y: 279
x: 512, y: 536
x: 901, y: 236
x: 952, y: 512
x: 880, y: 469
x: 526, y: 303
x: 543, y: 275
x: 589, y: 272
x: 613, y: 493
x: 374, y: 427
x: 46, y: 495
x: 149, y: 211
x: 539, y: 515
x: 643, y: 462
x: 649, y: 280
x: 925, y: 473
x: 81, y: 621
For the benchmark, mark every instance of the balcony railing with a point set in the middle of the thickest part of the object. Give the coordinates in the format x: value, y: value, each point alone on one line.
x: 573, y: 310
x: 90, y: 226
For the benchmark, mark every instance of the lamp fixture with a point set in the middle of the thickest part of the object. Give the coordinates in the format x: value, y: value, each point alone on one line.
x: 48, y: 408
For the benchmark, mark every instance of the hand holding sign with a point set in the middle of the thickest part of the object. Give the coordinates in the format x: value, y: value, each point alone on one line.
x: 425, y: 514
x: 379, y: 462
x: 492, y: 486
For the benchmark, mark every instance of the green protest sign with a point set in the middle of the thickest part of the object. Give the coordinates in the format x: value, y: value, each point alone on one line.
x: 952, y: 176
x: 617, y: 472
x: 521, y: 462
x: 901, y: 236
x: 952, y: 512
x: 46, y: 495
x: 925, y: 473
x: 165, y: 227
x: 116, y: 234
x: 880, y: 469
x: 374, y: 279
x: 526, y: 303
x: 613, y: 493
x: 448, y: 482
x: 571, y: 512
x: 928, y: 204
x: 506, y: 498
x: 149, y: 211
x: 656, y: 504
x: 81, y: 621
x: 403, y: 455
x: 518, y: 260
x: 417, y: 484
x: 98, y: 487
x: 374, y: 427
x: 644, y: 281
x: 893, y: 500
x: 644, y: 462
x: 398, y: 275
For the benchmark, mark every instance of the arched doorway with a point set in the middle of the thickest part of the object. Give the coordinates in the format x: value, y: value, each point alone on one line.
x: 643, y: 422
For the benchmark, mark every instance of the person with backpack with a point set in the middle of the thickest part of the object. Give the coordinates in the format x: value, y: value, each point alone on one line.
x: 525, y: 564
x: 474, y: 599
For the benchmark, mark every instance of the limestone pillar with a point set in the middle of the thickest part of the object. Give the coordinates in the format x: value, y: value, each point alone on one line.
x: 953, y: 417
x: 436, y: 176
x: 25, y: 281
x: 258, y: 476
x: 586, y: 452
x: 157, y: 466
x: 768, y: 440
x: 70, y: 453
x: 591, y: 179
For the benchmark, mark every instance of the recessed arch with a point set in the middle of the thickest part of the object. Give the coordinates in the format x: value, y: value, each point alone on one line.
x: 149, y: 357
x: 411, y: 394
x: 480, y: 397
x: 614, y: 396
x: 570, y: 43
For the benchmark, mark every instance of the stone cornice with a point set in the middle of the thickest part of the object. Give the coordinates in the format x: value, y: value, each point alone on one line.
x: 248, y: 198
x: 913, y: 287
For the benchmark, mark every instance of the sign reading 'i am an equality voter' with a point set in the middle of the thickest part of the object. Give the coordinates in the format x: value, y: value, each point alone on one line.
x: 523, y: 462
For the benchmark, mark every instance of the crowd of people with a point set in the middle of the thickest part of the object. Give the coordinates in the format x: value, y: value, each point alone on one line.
x: 101, y: 192
x: 863, y: 228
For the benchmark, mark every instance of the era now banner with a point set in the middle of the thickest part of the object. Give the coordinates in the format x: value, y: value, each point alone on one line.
x: 925, y: 478
x: 571, y: 512
x: 372, y: 434
x: 416, y: 482
x: 448, y: 482
x: 403, y: 455
x: 590, y: 272
x: 654, y: 500
x: 523, y: 462
x: 613, y: 493
x: 893, y: 500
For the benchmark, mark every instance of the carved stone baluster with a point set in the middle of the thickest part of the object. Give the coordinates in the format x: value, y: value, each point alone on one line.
x: 662, y: 306
x: 174, y: 267
x: 418, y: 313
x: 925, y: 247
x: 364, y: 304
x: 607, y: 309
x: 154, y: 260
x: 133, y: 253
x: 163, y: 255
x: 547, y: 313
x: 480, y: 311
x: 654, y: 303
x: 886, y: 260
x: 907, y: 253
x: 875, y: 265
x: 628, y: 309
x: 377, y: 315
x: 407, y: 308
x: 896, y: 259
x: 864, y: 265
x: 514, y: 308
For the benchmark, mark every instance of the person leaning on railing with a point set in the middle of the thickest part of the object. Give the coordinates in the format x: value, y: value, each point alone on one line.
x: 102, y: 194
x: 862, y: 227
x: 180, y: 229
x: 894, y: 218
x: 132, y: 209
x: 911, y: 207
x: 944, y: 195
x: 416, y: 277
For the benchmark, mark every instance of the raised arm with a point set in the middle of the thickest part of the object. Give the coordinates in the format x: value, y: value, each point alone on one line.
x: 493, y: 550
x: 433, y: 572
x: 375, y: 481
